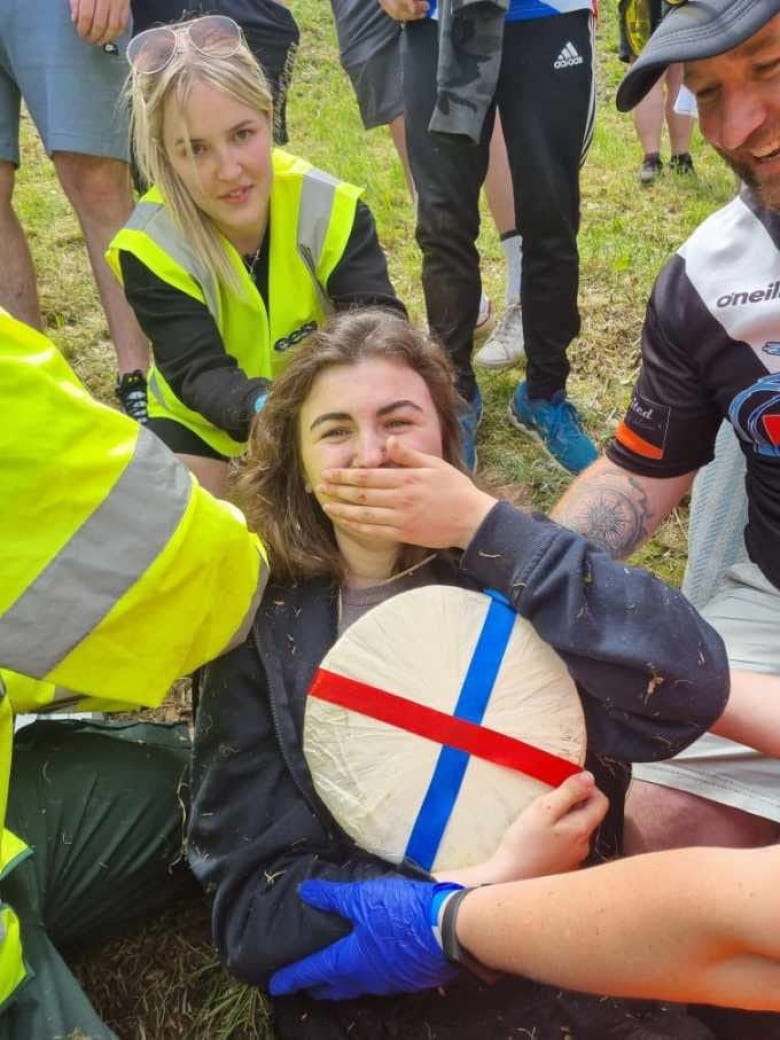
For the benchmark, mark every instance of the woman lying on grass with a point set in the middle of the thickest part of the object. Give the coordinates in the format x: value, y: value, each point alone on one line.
x: 368, y: 405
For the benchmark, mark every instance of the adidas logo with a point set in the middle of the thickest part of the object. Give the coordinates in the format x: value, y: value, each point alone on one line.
x: 569, y: 56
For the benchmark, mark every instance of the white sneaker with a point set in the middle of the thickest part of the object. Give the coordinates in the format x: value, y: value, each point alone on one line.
x: 506, y: 344
x: 484, y: 318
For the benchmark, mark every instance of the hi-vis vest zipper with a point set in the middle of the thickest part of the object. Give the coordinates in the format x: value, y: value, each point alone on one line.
x: 312, y: 215
x: 118, y: 573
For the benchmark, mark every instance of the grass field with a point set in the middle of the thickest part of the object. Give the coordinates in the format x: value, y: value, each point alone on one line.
x: 166, y: 983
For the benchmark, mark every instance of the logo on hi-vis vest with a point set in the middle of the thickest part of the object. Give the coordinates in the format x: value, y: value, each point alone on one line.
x: 285, y: 342
x: 643, y: 430
x: 755, y: 415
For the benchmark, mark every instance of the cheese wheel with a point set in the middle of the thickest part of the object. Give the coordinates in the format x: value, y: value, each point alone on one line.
x: 413, y: 707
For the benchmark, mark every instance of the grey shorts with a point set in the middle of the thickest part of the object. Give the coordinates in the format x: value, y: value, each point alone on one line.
x: 71, y: 88
x: 378, y: 86
x: 746, y: 612
x: 370, y: 51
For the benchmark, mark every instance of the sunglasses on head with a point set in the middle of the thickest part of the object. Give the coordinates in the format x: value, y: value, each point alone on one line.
x: 152, y: 50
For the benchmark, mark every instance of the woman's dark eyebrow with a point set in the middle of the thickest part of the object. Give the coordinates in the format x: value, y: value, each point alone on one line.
x: 398, y: 404
x: 346, y: 417
x: 328, y: 416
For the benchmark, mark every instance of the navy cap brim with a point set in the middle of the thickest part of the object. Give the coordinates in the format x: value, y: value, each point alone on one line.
x: 698, y: 29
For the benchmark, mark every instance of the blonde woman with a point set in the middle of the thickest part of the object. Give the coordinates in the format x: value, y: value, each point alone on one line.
x: 238, y: 251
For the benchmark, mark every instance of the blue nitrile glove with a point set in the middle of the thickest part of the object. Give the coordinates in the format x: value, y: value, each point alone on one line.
x: 393, y: 946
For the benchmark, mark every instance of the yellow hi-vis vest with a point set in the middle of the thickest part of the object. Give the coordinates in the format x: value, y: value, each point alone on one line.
x: 118, y: 573
x: 311, y: 218
x: 13, y: 969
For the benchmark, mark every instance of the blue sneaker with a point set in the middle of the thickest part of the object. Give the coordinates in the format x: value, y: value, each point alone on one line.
x: 469, y: 418
x: 556, y: 425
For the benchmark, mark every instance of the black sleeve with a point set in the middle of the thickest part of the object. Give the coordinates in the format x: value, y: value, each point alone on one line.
x: 254, y: 834
x: 360, y: 278
x: 189, y: 352
x: 672, y: 419
x: 652, y: 674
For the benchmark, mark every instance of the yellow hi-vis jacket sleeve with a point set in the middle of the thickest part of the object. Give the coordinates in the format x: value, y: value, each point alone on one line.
x: 118, y: 572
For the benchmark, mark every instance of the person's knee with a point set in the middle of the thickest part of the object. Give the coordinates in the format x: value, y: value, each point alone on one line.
x: 547, y: 213
x: 442, y: 229
x: 97, y: 187
x: 448, y: 185
x: 7, y: 181
x: 660, y: 817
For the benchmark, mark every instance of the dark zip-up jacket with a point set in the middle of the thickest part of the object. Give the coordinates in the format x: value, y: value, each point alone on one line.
x: 651, y: 673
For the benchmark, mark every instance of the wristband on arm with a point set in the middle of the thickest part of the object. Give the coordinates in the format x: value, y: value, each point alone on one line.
x: 446, y: 902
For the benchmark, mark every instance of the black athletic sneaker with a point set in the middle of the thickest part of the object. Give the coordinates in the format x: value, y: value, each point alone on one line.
x: 682, y: 164
x: 131, y: 391
x: 651, y: 168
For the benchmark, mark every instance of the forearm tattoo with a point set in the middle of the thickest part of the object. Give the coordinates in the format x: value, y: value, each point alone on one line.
x: 611, y: 510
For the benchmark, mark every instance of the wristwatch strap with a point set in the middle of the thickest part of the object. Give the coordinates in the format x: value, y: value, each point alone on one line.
x: 453, y: 950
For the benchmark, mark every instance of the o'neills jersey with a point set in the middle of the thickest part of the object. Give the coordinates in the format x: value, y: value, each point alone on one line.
x: 711, y: 349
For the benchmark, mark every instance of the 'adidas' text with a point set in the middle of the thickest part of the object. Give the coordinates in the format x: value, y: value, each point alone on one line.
x: 569, y: 56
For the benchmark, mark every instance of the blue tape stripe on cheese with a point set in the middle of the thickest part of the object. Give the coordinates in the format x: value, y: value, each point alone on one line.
x: 450, y: 769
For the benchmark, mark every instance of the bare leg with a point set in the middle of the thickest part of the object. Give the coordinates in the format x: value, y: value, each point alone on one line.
x: 501, y: 203
x: 680, y: 127
x: 397, y: 130
x: 498, y: 183
x: 649, y: 119
x: 211, y: 474
x: 663, y: 818
x: 18, y: 292
x: 101, y: 195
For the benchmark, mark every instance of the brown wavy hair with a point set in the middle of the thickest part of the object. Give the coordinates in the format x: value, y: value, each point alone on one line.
x: 270, y: 484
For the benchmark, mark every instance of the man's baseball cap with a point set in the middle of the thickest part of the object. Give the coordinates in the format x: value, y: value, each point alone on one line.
x: 693, y: 29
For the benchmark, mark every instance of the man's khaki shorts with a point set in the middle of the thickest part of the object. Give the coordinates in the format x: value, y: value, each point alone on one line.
x: 746, y: 612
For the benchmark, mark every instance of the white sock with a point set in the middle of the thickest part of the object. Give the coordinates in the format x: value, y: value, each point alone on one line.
x: 513, y: 251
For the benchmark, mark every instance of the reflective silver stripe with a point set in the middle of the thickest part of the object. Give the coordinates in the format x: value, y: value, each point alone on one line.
x: 154, y: 386
x: 103, y: 559
x: 243, y: 629
x: 155, y: 221
x: 143, y: 215
x: 317, y: 194
x: 62, y: 698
